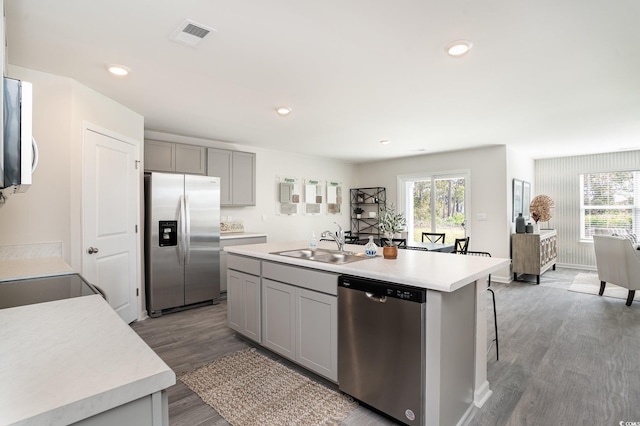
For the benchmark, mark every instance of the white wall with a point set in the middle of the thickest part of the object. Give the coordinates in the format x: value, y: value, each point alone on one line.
x: 519, y: 166
x: 269, y: 165
x: 489, y: 196
x: 559, y: 179
x: 51, y: 209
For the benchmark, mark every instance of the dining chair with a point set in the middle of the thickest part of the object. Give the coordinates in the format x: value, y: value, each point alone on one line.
x: 400, y: 242
x: 460, y: 246
x: 493, y: 297
x: 433, y: 237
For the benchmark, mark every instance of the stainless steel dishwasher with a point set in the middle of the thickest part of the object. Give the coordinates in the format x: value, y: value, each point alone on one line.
x: 381, y: 346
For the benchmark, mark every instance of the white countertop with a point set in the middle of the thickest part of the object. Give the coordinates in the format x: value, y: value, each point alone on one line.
x: 70, y: 359
x: 12, y: 269
x: 431, y: 270
x: 233, y: 235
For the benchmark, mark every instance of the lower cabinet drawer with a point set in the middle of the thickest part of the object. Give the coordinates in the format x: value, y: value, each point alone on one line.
x: 243, y: 264
x: 324, y: 282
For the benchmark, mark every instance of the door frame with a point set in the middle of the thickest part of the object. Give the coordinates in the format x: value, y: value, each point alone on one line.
x: 137, y: 144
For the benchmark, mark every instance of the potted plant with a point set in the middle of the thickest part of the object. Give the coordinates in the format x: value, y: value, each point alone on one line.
x: 391, y: 223
x: 358, y: 211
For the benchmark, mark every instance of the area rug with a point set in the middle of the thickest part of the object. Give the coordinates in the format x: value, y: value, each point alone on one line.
x: 590, y: 284
x: 247, y: 388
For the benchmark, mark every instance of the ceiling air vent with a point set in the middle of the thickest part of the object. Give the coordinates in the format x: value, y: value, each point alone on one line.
x: 190, y: 33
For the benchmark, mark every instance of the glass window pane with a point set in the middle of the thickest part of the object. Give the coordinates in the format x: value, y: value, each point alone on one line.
x: 449, y: 214
x: 421, y: 208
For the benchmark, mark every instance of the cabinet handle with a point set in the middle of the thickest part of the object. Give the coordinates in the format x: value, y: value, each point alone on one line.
x: 92, y: 250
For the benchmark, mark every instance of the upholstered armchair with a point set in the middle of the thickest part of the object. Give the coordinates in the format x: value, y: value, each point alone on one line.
x: 618, y: 263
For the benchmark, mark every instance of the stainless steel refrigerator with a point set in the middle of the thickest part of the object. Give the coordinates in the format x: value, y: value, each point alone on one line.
x: 182, y: 240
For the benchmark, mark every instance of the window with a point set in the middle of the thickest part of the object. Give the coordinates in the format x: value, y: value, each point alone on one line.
x: 609, y: 200
x: 434, y: 203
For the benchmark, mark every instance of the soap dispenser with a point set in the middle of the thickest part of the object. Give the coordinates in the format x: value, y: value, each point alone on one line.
x: 313, y: 242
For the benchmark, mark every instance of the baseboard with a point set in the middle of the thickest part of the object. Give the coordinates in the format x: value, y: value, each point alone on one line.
x: 482, y: 394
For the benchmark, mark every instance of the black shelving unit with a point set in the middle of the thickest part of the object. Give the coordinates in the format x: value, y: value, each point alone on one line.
x: 368, y: 200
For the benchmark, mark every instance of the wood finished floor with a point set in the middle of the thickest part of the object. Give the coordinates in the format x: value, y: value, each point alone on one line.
x: 565, y: 358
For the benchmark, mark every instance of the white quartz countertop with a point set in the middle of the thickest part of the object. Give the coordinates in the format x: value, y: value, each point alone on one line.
x: 431, y: 270
x: 234, y: 235
x: 70, y: 359
x: 13, y: 269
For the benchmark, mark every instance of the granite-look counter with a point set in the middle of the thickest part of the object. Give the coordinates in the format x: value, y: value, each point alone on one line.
x: 15, y: 269
x: 67, y: 360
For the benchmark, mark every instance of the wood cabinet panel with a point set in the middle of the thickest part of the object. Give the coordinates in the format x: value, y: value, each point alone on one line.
x: 534, y: 253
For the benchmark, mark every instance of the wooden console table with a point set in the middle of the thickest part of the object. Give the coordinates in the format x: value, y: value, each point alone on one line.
x: 534, y: 253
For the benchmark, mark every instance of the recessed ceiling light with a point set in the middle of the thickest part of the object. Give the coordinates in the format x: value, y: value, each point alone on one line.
x: 385, y: 142
x: 283, y: 110
x: 118, y: 70
x: 458, y: 47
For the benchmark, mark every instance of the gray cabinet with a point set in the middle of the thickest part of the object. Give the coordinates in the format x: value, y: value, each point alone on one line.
x: 300, y: 316
x: 243, y: 296
x: 278, y: 317
x: 223, y: 255
x: 237, y: 173
x: 534, y: 253
x: 316, y: 327
x: 162, y: 156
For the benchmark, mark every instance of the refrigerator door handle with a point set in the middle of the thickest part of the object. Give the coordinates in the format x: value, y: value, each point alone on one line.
x: 182, y: 228
x: 187, y: 238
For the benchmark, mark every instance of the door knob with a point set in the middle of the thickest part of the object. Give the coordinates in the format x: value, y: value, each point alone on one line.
x: 92, y: 250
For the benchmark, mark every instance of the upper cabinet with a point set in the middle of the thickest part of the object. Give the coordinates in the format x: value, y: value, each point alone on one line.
x: 174, y: 157
x: 237, y: 173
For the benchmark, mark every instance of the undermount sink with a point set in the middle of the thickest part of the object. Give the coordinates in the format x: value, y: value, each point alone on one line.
x: 323, y: 255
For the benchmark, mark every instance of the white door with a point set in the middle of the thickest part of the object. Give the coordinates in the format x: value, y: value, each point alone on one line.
x: 110, y: 212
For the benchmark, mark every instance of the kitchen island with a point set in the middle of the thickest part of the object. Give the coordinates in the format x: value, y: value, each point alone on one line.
x: 288, y: 305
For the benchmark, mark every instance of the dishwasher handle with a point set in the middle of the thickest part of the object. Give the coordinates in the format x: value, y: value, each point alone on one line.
x: 374, y: 298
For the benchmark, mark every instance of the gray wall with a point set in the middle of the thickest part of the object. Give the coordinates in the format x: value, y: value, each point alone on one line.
x: 559, y: 179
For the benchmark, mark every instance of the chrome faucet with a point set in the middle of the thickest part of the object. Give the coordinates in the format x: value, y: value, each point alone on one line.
x: 338, y: 237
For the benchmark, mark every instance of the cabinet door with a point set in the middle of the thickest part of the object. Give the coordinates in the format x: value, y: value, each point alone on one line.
x: 278, y: 317
x: 159, y: 156
x: 243, y: 304
x: 235, y: 300
x: 243, y: 179
x: 190, y: 159
x: 219, y: 164
x: 252, y: 306
x: 317, y: 332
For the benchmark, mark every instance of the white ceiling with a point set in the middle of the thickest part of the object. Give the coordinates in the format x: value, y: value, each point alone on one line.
x: 552, y: 77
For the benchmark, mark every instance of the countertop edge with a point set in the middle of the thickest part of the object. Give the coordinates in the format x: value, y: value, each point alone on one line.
x: 414, y: 279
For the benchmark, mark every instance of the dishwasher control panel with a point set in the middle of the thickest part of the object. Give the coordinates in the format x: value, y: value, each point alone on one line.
x: 383, y: 288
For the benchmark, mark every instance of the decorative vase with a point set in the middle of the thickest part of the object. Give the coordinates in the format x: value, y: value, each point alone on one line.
x: 370, y: 249
x: 390, y: 252
x: 536, y: 228
x: 520, y: 226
